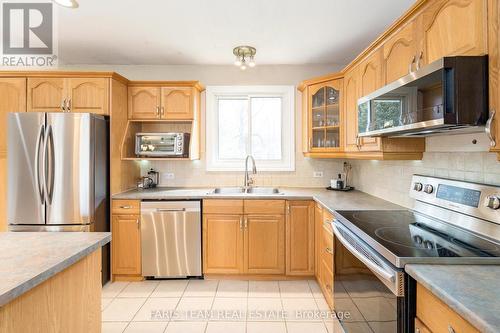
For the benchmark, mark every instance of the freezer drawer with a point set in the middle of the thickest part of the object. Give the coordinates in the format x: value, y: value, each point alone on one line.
x: 171, y: 239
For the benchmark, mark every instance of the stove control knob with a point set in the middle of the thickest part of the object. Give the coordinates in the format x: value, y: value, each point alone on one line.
x: 428, y: 188
x: 428, y: 245
x: 418, y: 239
x: 418, y: 187
x: 493, y: 201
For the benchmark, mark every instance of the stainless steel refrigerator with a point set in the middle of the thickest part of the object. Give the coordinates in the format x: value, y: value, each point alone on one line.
x: 58, y: 171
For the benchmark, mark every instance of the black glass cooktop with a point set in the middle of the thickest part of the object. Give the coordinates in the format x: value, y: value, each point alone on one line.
x: 408, y: 234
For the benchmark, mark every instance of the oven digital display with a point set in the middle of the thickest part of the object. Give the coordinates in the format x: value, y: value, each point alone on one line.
x: 460, y: 195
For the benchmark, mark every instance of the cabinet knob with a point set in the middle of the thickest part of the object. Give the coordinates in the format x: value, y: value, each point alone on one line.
x: 68, y: 109
x: 246, y: 222
x: 241, y: 222
x: 420, y: 56
x: 162, y: 111
x: 63, y: 105
x: 157, y: 112
x: 329, y: 251
x: 488, y: 129
x: 451, y: 329
x: 125, y: 207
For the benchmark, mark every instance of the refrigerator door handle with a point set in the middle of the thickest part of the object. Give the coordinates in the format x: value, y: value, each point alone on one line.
x: 40, y: 139
x: 48, y: 165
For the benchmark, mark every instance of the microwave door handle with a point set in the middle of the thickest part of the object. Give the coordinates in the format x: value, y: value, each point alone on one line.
x: 488, y: 129
x: 389, y: 276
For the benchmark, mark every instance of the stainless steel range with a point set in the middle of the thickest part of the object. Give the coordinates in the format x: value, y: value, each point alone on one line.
x: 452, y: 222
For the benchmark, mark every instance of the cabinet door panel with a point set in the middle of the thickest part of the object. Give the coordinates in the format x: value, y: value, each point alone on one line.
x: 126, y: 245
x: 351, y: 91
x: 143, y: 103
x: 399, y: 51
x: 265, y: 244
x: 89, y: 95
x: 371, y: 79
x: 300, y: 238
x: 223, y: 244
x: 177, y: 103
x: 12, y: 99
x: 454, y: 27
x: 45, y: 94
x: 318, y: 222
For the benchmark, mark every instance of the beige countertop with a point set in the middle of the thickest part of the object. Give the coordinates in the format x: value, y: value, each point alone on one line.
x: 332, y: 200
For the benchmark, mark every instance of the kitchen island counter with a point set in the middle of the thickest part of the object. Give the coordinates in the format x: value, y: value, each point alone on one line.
x: 472, y: 291
x: 51, y: 280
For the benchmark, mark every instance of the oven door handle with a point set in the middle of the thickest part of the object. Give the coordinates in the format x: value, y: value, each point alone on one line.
x: 389, y: 276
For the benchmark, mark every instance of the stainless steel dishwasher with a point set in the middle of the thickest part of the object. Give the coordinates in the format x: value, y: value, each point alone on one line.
x: 171, y: 239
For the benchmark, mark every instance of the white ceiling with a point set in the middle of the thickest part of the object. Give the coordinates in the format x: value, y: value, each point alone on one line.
x: 173, y: 32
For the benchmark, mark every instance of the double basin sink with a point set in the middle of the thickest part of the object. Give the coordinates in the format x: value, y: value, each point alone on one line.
x: 250, y: 190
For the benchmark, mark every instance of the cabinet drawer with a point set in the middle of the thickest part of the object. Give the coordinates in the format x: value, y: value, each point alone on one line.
x: 276, y: 207
x: 126, y: 207
x: 222, y: 206
x: 326, y: 283
x: 429, y: 305
x: 326, y: 250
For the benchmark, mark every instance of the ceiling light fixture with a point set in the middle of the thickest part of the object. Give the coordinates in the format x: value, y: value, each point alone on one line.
x: 245, y: 56
x: 67, y: 3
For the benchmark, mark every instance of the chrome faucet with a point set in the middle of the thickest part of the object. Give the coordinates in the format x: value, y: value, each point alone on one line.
x: 248, y: 180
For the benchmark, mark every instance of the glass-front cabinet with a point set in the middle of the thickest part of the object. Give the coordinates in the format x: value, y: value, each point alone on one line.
x: 325, y: 116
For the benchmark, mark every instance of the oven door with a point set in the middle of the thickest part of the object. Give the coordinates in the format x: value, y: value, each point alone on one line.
x: 368, y: 291
x: 158, y: 145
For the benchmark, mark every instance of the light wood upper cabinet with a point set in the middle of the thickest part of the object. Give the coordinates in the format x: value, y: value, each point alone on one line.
x: 351, y: 93
x: 46, y: 94
x: 300, y: 238
x: 223, y: 244
x: 12, y: 99
x: 325, y: 115
x: 400, y: 53
x: 177, y: 103
x: 371, y: 78
x: 164, y: 100
x: 126, y: 245
x: 68, y: 95
x: 494, y: 72
x: 454, y: 27
x: 144, y: 102
x: 89, y: 95
x: 264, y: 244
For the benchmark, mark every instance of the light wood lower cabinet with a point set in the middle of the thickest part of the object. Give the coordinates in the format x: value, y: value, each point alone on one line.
x: 222, y: 244
x: 435, y: 316
x: 126, y: 245
x: 244, y: 237
x: 126, y: 240
x: 300, y: 238
x: 325, y: 255
x: 264, y: 240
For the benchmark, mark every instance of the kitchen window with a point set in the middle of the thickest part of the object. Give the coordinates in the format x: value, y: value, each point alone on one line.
x: 250, y: 120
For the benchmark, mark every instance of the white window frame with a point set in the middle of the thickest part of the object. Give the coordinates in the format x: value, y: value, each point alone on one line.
x: 287, y: 94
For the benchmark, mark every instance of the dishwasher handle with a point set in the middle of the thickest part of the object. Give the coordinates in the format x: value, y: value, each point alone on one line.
x: 170, y: 209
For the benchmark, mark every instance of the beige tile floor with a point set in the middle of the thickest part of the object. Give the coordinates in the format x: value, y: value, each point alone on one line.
x: 208, y: 306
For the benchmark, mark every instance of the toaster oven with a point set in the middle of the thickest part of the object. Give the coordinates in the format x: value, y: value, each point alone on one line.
x: 162, y: 144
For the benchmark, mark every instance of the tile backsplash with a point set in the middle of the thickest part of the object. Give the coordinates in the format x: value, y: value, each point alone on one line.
x: 391, y: 180
x: 194, y: 174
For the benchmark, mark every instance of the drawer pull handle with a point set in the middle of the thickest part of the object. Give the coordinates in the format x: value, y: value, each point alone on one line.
x: 328, y: 250
x: 417, y: 330
x: 450, y: 329
x: 329, y: 288
x: 126, y: 207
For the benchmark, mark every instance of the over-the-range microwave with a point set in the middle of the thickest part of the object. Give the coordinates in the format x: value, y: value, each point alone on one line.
x: 447, y: 96
x: 162, y: 144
